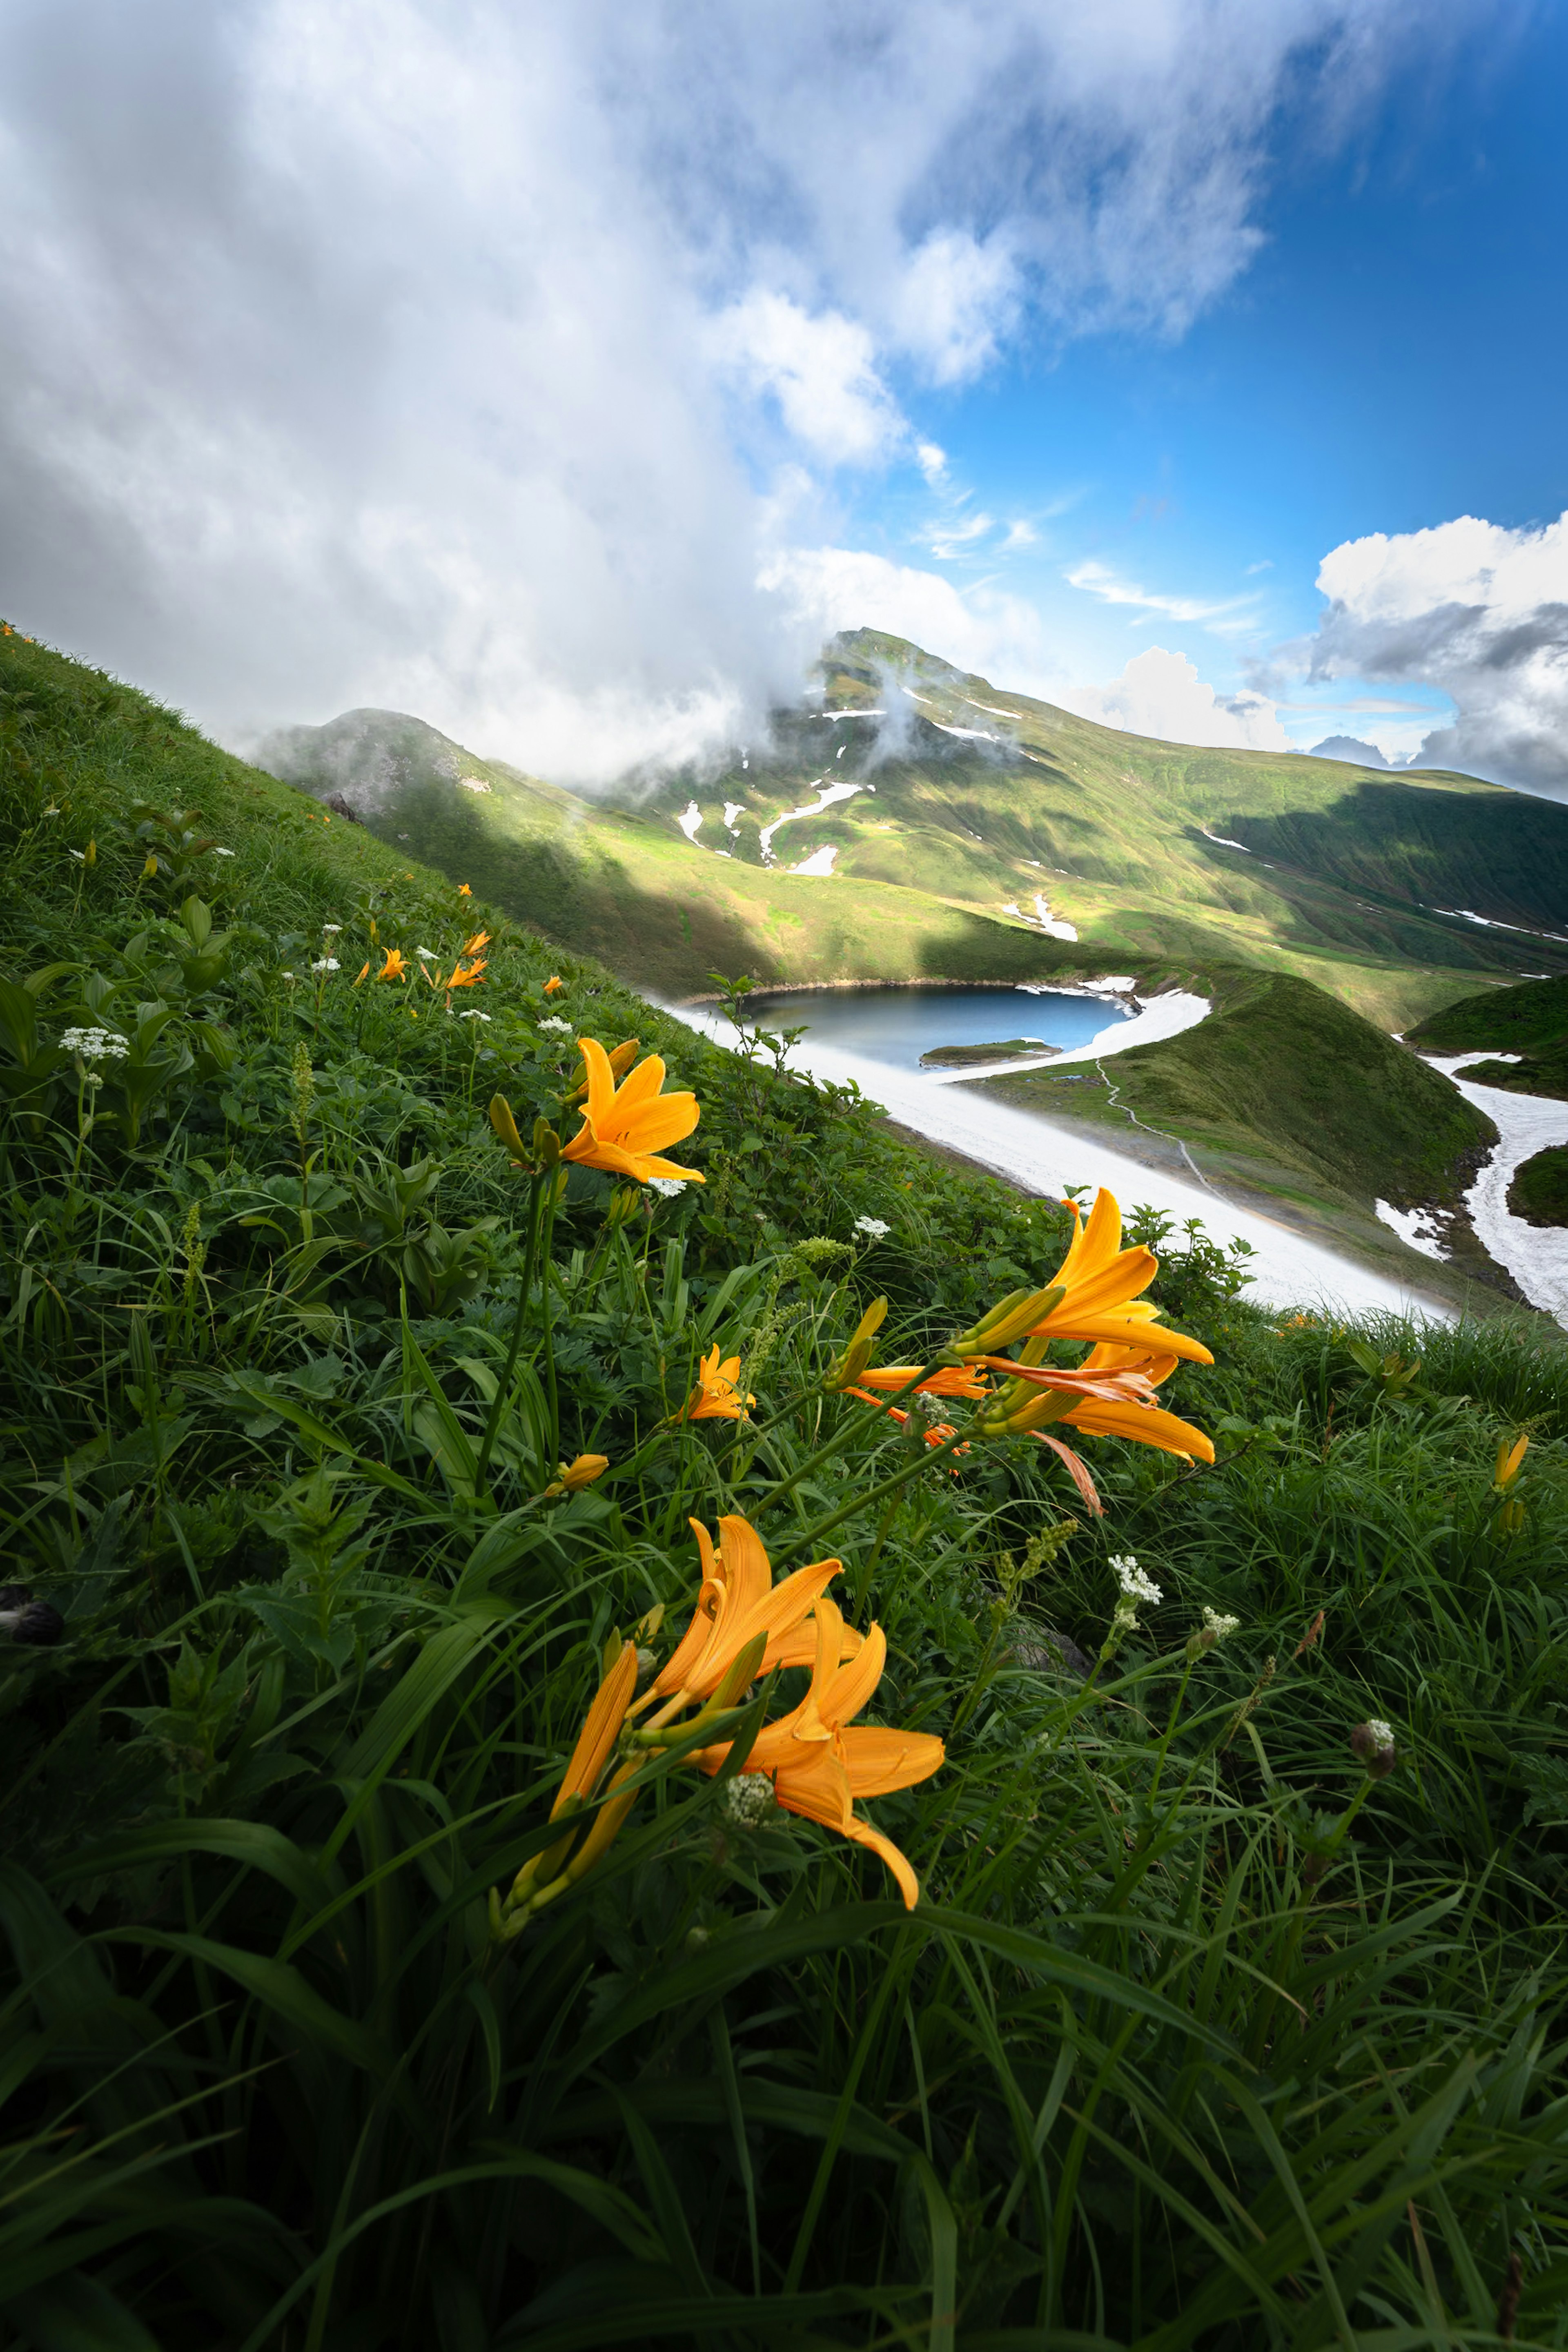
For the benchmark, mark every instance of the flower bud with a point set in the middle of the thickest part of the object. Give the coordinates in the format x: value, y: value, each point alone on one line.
x: 1007, y: 1320
x: 1372, y: 1744
x: 547, y: 1143
x: 846, y: 1368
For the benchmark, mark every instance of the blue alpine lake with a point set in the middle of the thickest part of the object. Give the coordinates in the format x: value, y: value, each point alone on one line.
x: 896, y: 1025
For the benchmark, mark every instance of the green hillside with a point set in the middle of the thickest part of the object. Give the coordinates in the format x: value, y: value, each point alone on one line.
x: 1289, y: 1096
x: 969, y: 801
x: 376, y: 1973
x: 1530, y: 1021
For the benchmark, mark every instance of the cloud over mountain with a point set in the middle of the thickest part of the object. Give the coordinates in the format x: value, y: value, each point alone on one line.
x: 1162, y: 695
x: 1476, y: 609
x: 451, y: 356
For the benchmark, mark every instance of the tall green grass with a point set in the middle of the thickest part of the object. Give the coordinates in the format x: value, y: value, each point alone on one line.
x: 1198, y: 2038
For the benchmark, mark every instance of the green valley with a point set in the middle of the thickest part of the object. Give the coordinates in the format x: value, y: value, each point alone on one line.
x: 908, y: 822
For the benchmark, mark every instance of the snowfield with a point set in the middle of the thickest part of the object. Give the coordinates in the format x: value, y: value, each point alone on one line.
x: 1536, y: 1255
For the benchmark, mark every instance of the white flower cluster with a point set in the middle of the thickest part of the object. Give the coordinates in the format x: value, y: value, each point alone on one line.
x: 473, y: 1016
x: 1221, y: 1627
x: 330, y: 931
x: 1132, y: 1579
x: 872, y: 1227
x: 1382, y: 1733
x: 326, y: 963
x: 225, y: 853
x: 95, y: 1044
x: 550, y: 1022
x: 428, y: 955
x: 668, y: 1185
x: 748, y: 1798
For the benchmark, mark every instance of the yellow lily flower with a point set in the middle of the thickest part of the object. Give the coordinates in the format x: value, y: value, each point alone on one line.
x: 716, y: 1396
x: 737, y: 1601
x: 572, y: 1476
x: 1100, y: 1283
x: 1508, y: 1461
x: 394, y: 967
x: 818, y: 1763
x: 625, y: 1128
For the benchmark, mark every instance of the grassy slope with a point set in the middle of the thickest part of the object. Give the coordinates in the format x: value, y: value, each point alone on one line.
x: 288, y: 2090
x: 950, y: 830
x: 1530, y: 1021
x: 1287, y: 1096
x: 1294, y: 1097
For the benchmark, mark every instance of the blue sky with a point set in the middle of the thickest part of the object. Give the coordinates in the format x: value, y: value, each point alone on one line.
x: 565, y: 375
x: 1394, y: 357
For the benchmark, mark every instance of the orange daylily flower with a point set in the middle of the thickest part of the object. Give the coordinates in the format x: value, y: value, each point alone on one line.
x: 716, y: 1396
x: 600, y: 1730
x: 464, y: 975
x: 620, y: 1058
x: 1129, y: 1410
x: 625, y: 1128
x: 1508, y: 1461
x: 947, y: 1380
x: 737, y: 1601
x: 394, y: 967
x: 480, y: 939
x: 1103, y: 1284
x: 464, y: 891
x: 819, y: 1764
x: 572, y: 1476
x: 362, y: 972
x: 553, y: 983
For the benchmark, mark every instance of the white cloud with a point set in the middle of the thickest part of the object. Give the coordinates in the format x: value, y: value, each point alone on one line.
x: 1099, y: 580
x: 1472, y: 608
x: 931, y: 462
x: 387, y: 352
x: 1020, y: 534
x: 959, y: 535
x: 829, y: 588
x: 821, y: 371
x: 954, y: 299
x: 1161, y: 694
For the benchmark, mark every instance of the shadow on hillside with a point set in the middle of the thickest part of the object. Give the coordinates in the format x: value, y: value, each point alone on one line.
x: 1504, y: 855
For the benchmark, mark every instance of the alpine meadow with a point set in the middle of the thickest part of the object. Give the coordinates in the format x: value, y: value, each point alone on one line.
x: 783, y: 1176
x: 633, y: 1712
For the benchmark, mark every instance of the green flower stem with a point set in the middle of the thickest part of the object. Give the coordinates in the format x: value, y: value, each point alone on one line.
x: 813, y: 1536
x: 504, y: 1387
x: 864, y: 1419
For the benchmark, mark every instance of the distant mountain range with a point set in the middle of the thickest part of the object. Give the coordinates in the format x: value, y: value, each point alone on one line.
x: 907, y: 819
x: 1350, y: 748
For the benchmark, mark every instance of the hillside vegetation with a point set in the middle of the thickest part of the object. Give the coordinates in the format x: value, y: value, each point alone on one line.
x: 1177, y: 1964
x: 1530, y: 1021
x: 1284, y: 1074
x: 969, y: 801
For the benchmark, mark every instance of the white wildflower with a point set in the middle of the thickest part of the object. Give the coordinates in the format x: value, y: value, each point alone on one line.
x: 1382, y: 1733
x: 1220, y: 1626
x: 550, y: 1022
x: 428, y: 955
x: 225, y: 853
x: 330, y: 931
x: 95, y: 1044
x: 79, y: 855
x: 326, y: 963
x: 668, y: 1185
x: 473, y: 1016
x: 748, y: 1798
x: 285, y: 975
x: 1132, y: 1578
x: 872, y: 1227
